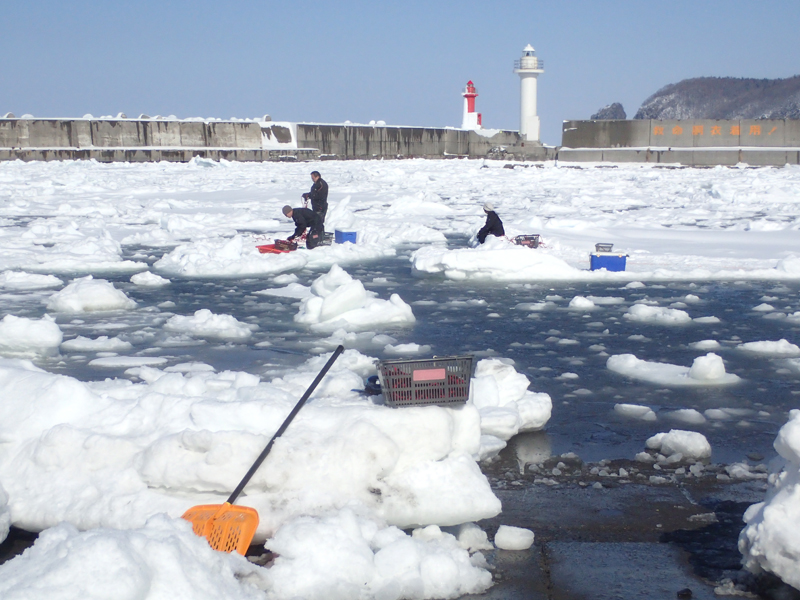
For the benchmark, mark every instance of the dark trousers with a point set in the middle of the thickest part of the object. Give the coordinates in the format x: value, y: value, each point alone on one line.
x: 320, y: 208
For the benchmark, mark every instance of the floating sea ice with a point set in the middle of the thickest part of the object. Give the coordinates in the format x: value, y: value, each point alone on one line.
x: 497, y: 260
x: 148, y: 279
x: 657, y: 315
x: 163, y: 559
x: 635, y: 411
x: 205, y: 324
x: 771, y: 538
x: 690, y: 444
x: 780, y: 348
x: 705, y: 345
x: 689, y: 416
x: 406, y: 349
x: 581, y: 303
x: 472, y: 538
x: 292, y: 290
x: 233, y: 257
x: 513, y: 538
x: 24, y: 337
x: 763, y: 308
x: 100, y: 344
x: 89, y: 295
x: 340, y: 302
x: 19, y: 280
x: 126, y: 362
x: 706, y: 370
x: 506, y: 406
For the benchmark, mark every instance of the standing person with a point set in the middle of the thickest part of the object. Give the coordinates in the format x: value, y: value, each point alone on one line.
x: 318, y: 195
x: 305, y: 218
x: 493, y: 224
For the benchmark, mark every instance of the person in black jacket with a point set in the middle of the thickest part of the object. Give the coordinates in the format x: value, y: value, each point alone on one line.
x: 305, y: 218
x: 318, y: 195
x: 493, y: 224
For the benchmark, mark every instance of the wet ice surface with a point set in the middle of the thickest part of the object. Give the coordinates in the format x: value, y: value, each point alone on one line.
x: 558, y: 343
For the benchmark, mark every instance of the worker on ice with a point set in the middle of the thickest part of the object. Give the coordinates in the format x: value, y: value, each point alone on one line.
x: 305, y: 218
x: 318, y: 195
x: 493, y: 224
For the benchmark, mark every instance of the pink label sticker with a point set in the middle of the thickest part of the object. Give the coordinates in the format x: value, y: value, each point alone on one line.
x: 428, y: 375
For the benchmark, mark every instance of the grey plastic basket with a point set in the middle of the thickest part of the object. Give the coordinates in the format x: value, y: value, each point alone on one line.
x: 438, y: 380
x: 603, y: 247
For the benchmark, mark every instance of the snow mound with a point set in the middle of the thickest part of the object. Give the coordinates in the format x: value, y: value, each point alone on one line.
x: 497, y: 259
x: 506, y: 405
x: 657, y: 315
x: 89, y: 295
x: 205, y: 324
x: 780, y: 348
x: 163, y: 559
x: 24, y: 337
x: 705, y: 370
x: 689, y: 444
x: 635, y: 411
x: 19, y: 280
x: 344, y: 556
x: 513, y: 538
x: 770, y: 540
x: 235, y: 257
x: 340, y: 302
x: 148, y: 279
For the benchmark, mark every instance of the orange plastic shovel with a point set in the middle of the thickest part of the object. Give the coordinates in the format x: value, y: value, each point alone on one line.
x: 228, y: 527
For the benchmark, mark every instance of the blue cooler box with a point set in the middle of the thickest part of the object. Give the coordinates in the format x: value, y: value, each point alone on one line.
x: 610, y: 261
x: 340, y: 237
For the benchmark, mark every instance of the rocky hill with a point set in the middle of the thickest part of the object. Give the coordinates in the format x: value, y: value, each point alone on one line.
x: 725, y: 98
x: 612, y: 111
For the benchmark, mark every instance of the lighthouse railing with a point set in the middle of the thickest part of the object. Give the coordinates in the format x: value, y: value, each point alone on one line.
x: 527, y: 63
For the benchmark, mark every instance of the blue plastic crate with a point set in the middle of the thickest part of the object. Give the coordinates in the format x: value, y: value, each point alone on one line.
x: 608, y: 261
x: 340, y: 237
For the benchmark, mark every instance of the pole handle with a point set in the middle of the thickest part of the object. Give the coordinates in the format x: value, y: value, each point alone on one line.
x: 283, y: 427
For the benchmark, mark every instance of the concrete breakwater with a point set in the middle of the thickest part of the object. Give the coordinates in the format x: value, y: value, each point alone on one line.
x: 142, y: 140
x: 691, y: 142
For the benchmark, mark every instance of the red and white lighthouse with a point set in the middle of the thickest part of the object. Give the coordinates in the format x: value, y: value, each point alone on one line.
x: 471, y: 119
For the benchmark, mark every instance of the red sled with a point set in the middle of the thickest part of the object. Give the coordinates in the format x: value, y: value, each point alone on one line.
x: 279, y: 247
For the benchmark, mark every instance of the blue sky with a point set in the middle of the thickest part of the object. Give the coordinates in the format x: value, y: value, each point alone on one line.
x: 403, y: 62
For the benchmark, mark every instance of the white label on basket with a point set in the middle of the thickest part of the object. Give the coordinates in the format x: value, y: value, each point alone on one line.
x: 428, y: 375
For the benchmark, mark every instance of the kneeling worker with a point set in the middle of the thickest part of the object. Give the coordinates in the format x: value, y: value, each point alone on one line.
x: 493, y: 224
x: 305, y: 218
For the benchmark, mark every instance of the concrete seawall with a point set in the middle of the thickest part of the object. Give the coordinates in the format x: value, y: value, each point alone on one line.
x: 695, y: 142
x: 141, y: 140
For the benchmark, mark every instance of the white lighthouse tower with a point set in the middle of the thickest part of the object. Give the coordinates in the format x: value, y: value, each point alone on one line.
x: 528, y: 67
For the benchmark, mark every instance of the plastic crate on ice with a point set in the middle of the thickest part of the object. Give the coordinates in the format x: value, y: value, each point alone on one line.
x: 529, y: 241
x: 438, y: 380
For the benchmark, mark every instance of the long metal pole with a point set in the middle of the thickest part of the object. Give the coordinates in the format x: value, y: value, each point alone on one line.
x: 283, y: 427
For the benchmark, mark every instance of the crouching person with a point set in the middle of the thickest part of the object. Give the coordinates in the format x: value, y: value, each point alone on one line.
x: 305, y: 218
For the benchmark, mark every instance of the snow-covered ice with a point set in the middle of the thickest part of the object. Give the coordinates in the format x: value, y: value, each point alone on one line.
x: 87, y: 295
x: 513, y: 538
x: 338, y: 301
x: 689, y: 444
x: 770, y: 539
x: 20, y: 336
x: 146, y: 417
